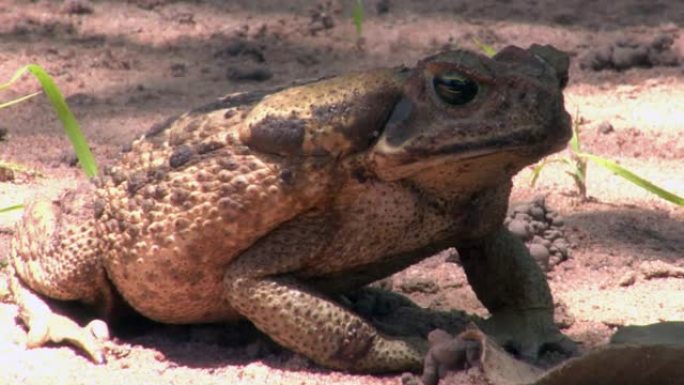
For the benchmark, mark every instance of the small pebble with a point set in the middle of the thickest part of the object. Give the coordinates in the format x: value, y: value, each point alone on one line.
x: 628, y: 279
x: 557, y: 221
x: 537, y: 213
x: 409, y: 379
x: 538, y: 226
x: 258, y: 74
x: 540, y: 240
x: 605, y: 128
x: 519, y: 229
x: 540, y: 200
x: 522, y: 208
x: 77, y: 7
x: 541, y: 229
x: 541, y: 254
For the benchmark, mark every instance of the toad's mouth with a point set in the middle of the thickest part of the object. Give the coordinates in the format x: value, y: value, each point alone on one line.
x: 512, y: 152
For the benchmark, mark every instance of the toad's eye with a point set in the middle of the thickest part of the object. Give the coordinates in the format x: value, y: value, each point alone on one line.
x: 454, y: 88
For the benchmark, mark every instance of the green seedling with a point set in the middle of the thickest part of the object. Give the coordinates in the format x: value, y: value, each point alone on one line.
x: 357, y: 17
x: 71, y: 126
x: 11, y: 208
x: 578, y: 161
x: 18, y: 168
x: 484, y: 47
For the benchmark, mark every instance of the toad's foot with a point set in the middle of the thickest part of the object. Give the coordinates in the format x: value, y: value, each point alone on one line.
x: 528, y: 333
x: 45, y: 326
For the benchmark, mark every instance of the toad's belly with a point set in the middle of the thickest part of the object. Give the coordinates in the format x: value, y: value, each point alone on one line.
x: 169, y: 288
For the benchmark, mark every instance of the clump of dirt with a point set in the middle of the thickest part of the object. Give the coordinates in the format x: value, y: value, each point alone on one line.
x: 627, y: 52
x: 541, y: 228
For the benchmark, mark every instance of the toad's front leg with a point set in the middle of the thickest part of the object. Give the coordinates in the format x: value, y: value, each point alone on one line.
x: 508, y: 281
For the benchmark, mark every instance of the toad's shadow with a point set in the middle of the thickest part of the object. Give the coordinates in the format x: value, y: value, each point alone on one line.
x: 240, y: 343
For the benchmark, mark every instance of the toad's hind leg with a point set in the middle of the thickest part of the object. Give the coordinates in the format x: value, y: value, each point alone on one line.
x: 52, y: 257
x: 258, y: 286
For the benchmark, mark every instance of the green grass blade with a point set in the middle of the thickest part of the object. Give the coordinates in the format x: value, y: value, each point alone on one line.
x: 485, y: 48
x: 575, y: 144
x: 14, y: 78
x: 71, y: 126
x: 536, y: 170
x: 575, y: 140
x: 11, y: 208
x: 630, y: 176
x: 357, y: 17
x: 18, y: 100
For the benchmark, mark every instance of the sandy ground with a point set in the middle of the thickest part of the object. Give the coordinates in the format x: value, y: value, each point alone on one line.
x: 126, y: 65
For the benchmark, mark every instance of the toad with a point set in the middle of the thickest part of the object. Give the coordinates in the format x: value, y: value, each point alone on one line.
x: 265, y: 205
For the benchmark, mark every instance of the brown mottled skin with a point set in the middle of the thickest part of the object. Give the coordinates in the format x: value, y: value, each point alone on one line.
x: 264, y: 206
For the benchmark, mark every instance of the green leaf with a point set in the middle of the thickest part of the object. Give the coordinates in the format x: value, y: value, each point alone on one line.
x: 485, y: 48
x: 18, y: 100
x: 575, y: 140
x: 68, y: 120
x: 536, y: 170
x: 19, y: 168
x: 630, y: 176
x: 357, y: 16
x: 11, y: 208
x: 575, y: 144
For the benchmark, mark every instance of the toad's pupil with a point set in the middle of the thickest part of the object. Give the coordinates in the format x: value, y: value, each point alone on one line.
x: 455, y: 89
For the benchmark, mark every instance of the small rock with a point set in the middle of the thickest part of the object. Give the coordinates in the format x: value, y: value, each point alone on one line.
x: 419, y: 284
x: 322, y: 18
x: 540, y: 254
x: 242, y: 48
x: 77, y: 7
x: 522, y: 208
x: 541, y: 241
x: 178, y: 70
x: 297, y: 362
x: 184, y: 18
x: 452, y: 256
x: 557, y: 221
x: 537, y: 213
x: 561, y: 244
x: 538, y: 227
x: 523, y: 217
x: 82, y: 99
x: 3, y: 133
x: 562, y: 316
x: 660, y: 269
x: 520, y: 229
x: 552, y: 234
x: 555, y: 259
x: 382, y: 7
x: 69, y: 158
x: 258, y: 74
x: 6, y: 174
x: 605, y: 128
x: 627, y: 279
x: 409, y: 379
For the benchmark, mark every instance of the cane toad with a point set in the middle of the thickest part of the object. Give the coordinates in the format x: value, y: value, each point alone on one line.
x: 264, y: 205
